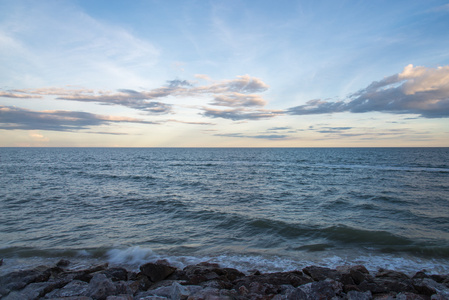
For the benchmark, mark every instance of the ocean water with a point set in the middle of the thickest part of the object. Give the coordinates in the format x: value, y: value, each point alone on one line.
x: 269, y: 209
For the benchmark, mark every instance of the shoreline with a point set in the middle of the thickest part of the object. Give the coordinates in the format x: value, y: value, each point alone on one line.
x: 205, y: 280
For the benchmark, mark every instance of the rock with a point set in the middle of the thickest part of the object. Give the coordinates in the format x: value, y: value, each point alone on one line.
x: 391, y: 274
x: 120, y: 297
x: 410, y: 296
x: 427, y: 286
x: 276, y: 280
x: 18, y: 280
x: 100, y: 287
x: 357, y: 273
x: 355, y: 295
x: 178, y: 291
x: 72, y: 289
x: 116, y: 274
x: 63, y: 263
x: 321, y: 273
x: 326, y: 289
x: 156, y: 272
x: 202, y: 272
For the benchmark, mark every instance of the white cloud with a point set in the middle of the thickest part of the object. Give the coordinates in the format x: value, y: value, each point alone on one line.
x: 416, y: 90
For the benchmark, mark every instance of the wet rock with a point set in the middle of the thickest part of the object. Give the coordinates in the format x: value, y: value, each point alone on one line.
x: 116, y: 274
x: 355, y: 295
x: 63, y: 263
x: 100, y: 287
x: 202, y: 272
x: 383, y: 273
x: 294, y: 278
x: 410, y: 296
x: 427, y: 286
x: 157, y: 272
x: 72, y: 289
x: 120, y: 297
x: 326, y: 289
x: 357, y: 273
x: 321, y: 273
x: 18, y: 280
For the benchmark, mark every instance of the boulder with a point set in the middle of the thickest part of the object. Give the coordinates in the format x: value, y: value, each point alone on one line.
x: 326, y: 289
x: 156, y: 272
x: 321, y: 273
x: 355, y: 295
x: 72, y: 289
x: 100, y: 287
x: 18, y: 280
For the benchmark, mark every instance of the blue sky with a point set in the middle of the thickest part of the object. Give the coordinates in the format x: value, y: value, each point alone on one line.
x: 224, y: 73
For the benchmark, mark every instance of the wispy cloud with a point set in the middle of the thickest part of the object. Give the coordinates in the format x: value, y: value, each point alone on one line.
x: 231, y: 93
x: 257, y: 136
x: 56, y: 120
x: 416, y: 90
x: 239, y: 114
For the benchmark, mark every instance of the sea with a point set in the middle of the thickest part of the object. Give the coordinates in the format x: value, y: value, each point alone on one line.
x: 270, y: 209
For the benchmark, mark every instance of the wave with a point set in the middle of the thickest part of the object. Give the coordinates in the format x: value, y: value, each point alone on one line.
x: 385, y: 168
x: 134, y: 256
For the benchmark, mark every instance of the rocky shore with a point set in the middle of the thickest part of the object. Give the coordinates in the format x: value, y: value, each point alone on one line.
x: 210, y: 281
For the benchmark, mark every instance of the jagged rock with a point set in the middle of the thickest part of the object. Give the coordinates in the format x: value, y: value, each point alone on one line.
x: 72, y: 289
x: 355, y: 295
x: 156, y: 272
x: 293, y: 278
x: 178, y: 291
x: 391, y: 274
x: 410, y: 296
x: 326, y: 289
x: 427, y: 286
x: 116, y: 274
x: 321, y: 273
x: 120, y: 297
x: 73, y: 298
x: 63, y: 263
x: 18, y: 280
x: 357, y: 273
x: 202, y: 272
x: 100, y: 287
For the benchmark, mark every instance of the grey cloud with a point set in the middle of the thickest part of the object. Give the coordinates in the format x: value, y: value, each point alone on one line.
x: 177, y: 83
x: 231, y: 93
x: 238, y: 100
x: 17, y: 95
x: 19, y: 118
x: 260, y: 136
x: 240, y: 114
x: 417, y: 90
x: 279, y: 128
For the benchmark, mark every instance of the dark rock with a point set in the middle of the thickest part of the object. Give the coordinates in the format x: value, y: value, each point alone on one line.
x: 382, y: 273
x: 410, y: 296
x: 321, y: 273
x: 355, y: 295
x: 72, y: 289
x: 18, y: 280
x: 420, y: 274
x: 273, y: 281
x: 120, y: 297
x: 156, y: 272
x: 203, y: 272
x: 357, y: 273
x: 326, y: 289
x: 100, y: 287
x: 427, y: 286
x: 63, y: 263
x: 116, y: 274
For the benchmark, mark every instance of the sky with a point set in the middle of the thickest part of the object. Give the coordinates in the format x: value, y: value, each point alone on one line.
x: 234, y: 73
